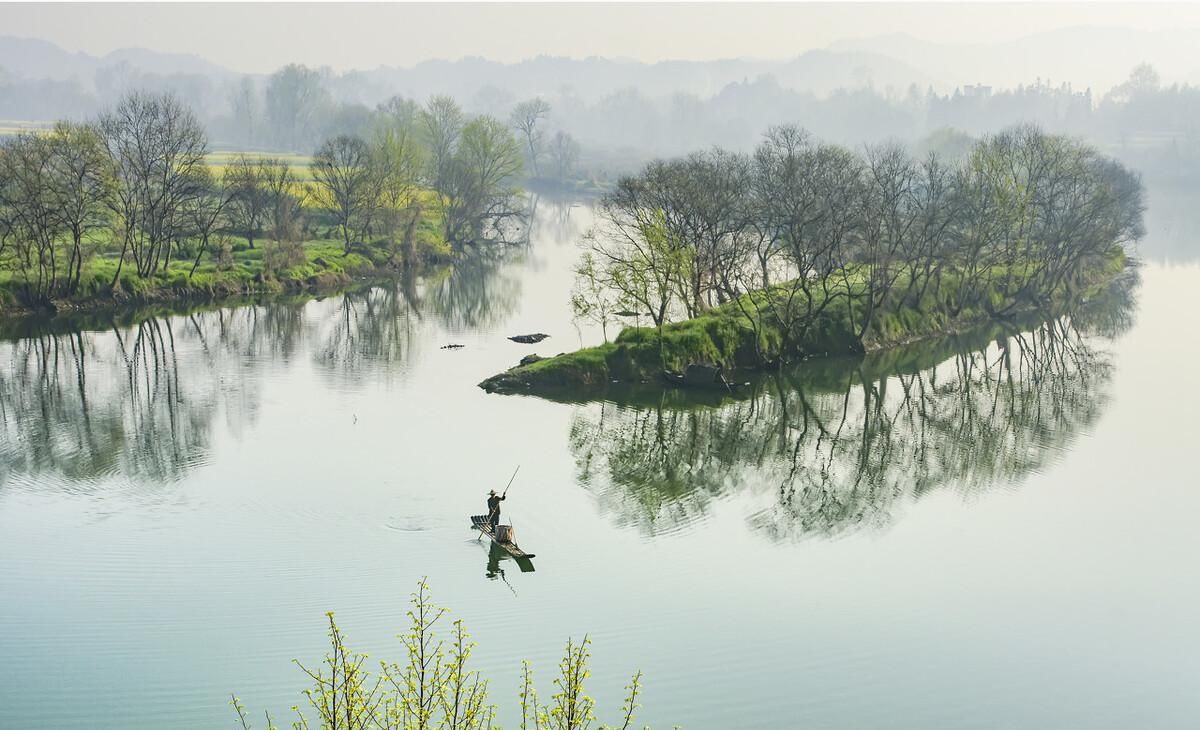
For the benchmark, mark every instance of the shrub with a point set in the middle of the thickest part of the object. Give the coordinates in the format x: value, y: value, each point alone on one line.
x: 434, y: 688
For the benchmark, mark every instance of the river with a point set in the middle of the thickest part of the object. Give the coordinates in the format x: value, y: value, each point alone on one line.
x: 987, y: 533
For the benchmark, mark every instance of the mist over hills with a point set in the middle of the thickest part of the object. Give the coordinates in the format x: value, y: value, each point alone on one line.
x: 819, y: 72
x: 1086, y: 57
x: 622, y: 112
x: 33, y: 59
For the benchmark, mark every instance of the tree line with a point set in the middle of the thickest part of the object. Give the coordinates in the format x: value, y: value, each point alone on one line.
x: 610, y: 131
x: 828, y: 232
x: 134, y: 184
x: 297, y: 106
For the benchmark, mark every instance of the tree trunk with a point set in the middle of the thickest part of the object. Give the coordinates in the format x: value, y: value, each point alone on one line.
x: 120, y: 263
x: 199, y: 253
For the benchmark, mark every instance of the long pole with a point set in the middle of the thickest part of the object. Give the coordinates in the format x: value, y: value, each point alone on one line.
x: 506, y: 486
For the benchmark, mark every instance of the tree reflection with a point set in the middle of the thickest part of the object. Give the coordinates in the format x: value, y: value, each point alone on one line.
x: 827, y: 449
x: 137, y: 400
x: 92, y: 396
x: 369, y: 333
x: 480, y: 291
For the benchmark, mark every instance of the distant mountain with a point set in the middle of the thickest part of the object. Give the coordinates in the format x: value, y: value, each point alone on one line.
x: 1099, y: 57
x: 165, y: 63
x: 816, y: 72
x: 1085, y: 56
x: 826, y: 70
x: 26, y: 58
x: 1096, y: 57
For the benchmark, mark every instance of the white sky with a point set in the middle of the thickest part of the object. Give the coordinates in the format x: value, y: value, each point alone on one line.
x: 260, y: 37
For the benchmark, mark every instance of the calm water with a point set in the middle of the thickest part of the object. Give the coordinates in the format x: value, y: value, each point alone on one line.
x: 986, y: 533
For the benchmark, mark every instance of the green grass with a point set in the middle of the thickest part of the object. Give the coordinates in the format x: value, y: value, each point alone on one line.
x: 326, y: 266
x: 727, y: 337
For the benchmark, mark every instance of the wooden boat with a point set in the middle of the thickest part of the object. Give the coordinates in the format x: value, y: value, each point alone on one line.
x: 484, y: 525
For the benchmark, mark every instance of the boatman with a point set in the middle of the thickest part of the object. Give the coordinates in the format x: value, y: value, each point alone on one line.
x: 494, y: 501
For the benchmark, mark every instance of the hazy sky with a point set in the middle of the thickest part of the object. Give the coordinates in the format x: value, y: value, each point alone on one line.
x: 262, y: 37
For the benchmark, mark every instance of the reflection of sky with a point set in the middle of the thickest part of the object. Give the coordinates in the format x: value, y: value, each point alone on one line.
x: 1067, y: 602
x: 1172, y: 224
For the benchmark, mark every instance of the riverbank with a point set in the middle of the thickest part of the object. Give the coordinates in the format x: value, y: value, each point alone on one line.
x: 731, y: 337
x: 314, y: 267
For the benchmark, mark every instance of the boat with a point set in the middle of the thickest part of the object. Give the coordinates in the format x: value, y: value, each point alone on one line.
x: 484, y: 525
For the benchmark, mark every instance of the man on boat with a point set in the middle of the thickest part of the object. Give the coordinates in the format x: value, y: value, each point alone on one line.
x: 493, y: 503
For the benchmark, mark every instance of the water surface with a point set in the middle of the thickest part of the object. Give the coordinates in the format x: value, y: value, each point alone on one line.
x: 992, y: 532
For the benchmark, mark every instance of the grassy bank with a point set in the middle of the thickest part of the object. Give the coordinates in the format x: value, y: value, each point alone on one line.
x: 317, y: 266
x: 740, y: 335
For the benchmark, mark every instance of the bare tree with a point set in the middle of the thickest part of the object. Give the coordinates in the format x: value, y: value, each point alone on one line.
x: 888, y: 219
x: 26, y: 163
x: 526, y: 119
x: 341, y: 169
x: 204, y: 213
x: 564, y: 153
x: 157, y: 146
x: 250, y: 199
x: 81, y: 186
x: 284, y: 207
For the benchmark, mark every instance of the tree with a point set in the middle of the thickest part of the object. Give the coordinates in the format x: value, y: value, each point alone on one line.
x: 564, y: 154
x: 81, y: 186
x: 294, y: 97
x: 699, y: 201
x: 479, y: 199
x: 397, y: 162
x: 1143, y: 80
x: 634, y: 253
x: 442, y: 121
x: 593, y: 298
x: 204, y: 213
x: 284, y: 207
x: 54, y: 189
x: 250, y: 199
x: 804, y: 199
x: 526, y: 119
x: 341, y: 170
x: 157, y: 147
x: 26, y: 163
x: 246, y: 106
x: 887, y: 220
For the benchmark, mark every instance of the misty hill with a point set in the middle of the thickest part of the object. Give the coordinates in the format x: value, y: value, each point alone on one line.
x: 31, y: 59
x: 817, y: 72
x: 27, y: 58
x: 1096, y: 57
